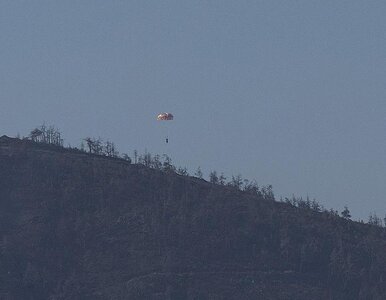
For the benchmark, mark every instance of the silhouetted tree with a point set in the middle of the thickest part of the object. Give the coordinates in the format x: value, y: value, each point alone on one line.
x: 384, y: 221
x: 167, y: 165
x: 110, y: 150
x: 251, y: 187
x: 36, y: 135
x: 213, y: 178
x: 82, y: 147
x: 316, y: 206
x: 374, y: 220
x: 157, y: 164
x: 47, y: 135
x: 346, y: 213
x: 145, y: 159
x: 198, y: 173
x: 333, y: 213
x: 267, y: 192
x: 237, y: 181
x: 98, y: 147
x: 94, y: 145
x: 222, y: 179
x: 135, y: 156
x: 183, y: 171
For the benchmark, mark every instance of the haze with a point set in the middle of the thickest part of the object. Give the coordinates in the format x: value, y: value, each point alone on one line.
x: 291, y: 93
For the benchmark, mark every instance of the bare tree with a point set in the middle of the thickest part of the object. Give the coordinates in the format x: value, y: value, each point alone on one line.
x: 375, y: 220
x: 90, y: 144
x: 213, y: 178
x: 384, y: 221
x: 237, y: 181
x: 47, y: 135
x: 145, y: 159
x: 346, y: 213
x: 157, y: 164
x: 167, y: 164
x: 135, y: 156
x: 110, y: 150
x: 94, y: 145
x: 183, y: 171
x: 198, y: 173
x: 82, y: 146
x: 251, y: 187
x: 267, y: 192
x: 36, y: 135
x: 222, y: 179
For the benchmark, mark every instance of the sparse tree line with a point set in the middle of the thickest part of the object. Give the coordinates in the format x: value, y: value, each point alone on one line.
x: 99, y: 147
x: 313, y: 205
x: 164, y: 163
x: 243, y: 184
x: 46, y: 135
x: 375, y: 220
x: 52, y: 136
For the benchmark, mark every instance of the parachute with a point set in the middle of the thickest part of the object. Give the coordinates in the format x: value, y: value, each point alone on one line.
x: 165, y: 117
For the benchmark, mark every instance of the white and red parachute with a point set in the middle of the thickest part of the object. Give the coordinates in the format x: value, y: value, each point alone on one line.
x: 165, y: 117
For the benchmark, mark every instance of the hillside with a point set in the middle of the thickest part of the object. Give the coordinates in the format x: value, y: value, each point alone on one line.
x: 80, y: 226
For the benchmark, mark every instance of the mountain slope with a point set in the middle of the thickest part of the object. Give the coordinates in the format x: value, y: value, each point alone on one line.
x: 79, y: 226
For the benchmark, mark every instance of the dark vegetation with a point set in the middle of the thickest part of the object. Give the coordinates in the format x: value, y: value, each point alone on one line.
x: 93, y: 224
x: 51, y: 136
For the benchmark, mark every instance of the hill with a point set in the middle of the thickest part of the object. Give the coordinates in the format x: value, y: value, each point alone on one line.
x: 81, y: 226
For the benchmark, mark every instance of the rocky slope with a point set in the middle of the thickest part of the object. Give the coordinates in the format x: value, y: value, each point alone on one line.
x: 78, y: 226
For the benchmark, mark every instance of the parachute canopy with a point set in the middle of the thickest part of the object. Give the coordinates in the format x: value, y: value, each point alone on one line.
x: 165, y: 117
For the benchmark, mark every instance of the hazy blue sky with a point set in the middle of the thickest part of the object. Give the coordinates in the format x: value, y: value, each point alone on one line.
x: 290, y: 93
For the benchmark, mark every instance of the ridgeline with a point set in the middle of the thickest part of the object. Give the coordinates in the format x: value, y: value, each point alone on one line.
x: 80, y: 226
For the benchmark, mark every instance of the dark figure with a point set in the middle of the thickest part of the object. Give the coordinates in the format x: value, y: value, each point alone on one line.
x: 167, y: 140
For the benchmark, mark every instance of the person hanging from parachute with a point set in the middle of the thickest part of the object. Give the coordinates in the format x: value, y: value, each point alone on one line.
x: 165, y: 117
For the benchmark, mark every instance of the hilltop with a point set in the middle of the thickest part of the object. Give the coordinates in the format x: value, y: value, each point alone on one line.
x: 75, y: 225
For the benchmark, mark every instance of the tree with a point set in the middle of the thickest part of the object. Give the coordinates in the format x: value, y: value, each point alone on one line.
x: 384, y: 221
x: 237, y: 182
x: 222, y: 179
x: 316, y: 206
x: 94, y: 145
x: 135, y: 156
x: 213, y: 178
x: 157, y: 164
x: 47, y: 135
x: 82, y: 147
x: 167, y: 165
x: 89, y: 141
x: 36, y: 135
x: 251, y: 187
x: 267, y: 192
x: 346, y: 213
x: 375, y: 220
x: 146, y: 159
x: 110, y: 150
x: 198, y: 173
x: 183, y: 171
x: 333, y: 213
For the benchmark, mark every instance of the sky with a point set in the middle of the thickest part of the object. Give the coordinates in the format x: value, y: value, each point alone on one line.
x: 289, y: 93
